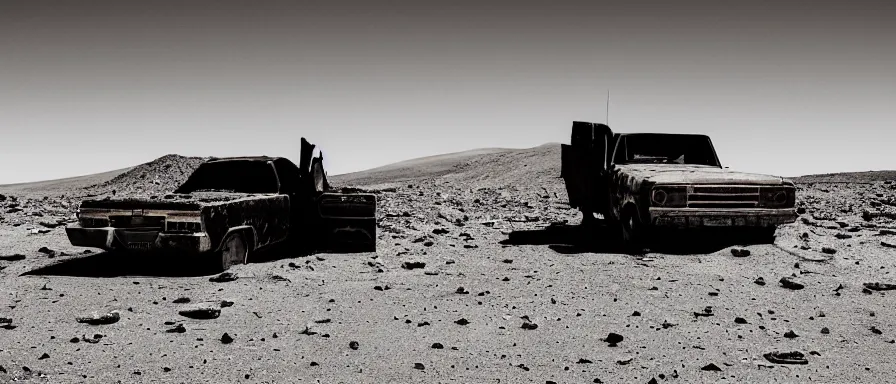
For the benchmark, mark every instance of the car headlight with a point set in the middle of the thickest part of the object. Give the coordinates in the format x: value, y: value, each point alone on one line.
x: 777, y: 197
x: 669, y: 196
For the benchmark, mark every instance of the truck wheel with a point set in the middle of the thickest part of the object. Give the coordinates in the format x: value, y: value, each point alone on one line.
x: 233, y: 252
x: 632, y: 231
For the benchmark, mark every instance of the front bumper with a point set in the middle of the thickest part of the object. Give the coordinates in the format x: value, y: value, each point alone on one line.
x: 136, y: 239
x: 702, y: 217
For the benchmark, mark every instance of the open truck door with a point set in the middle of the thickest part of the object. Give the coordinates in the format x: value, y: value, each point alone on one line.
x: 340, y: 221
x: 584, y: 164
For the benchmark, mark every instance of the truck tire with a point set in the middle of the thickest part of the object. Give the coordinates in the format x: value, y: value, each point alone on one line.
x: 234, y: 250
x: 631, y: 231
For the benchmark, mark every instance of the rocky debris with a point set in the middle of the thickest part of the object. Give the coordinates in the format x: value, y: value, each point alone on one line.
x: 711, y: 367
x: 47, y: 251
x: 409, y: 265
x: 825, y: 331
x: 791, y: 335
x: 462, y: 321
x: 223, y: 278
x: 226, y: 339
x: 875, y: 331
x: 419, y: 366
x: 887, y: 245
x: 201, y: 313
x: 740, y: 320
x: 828, y: 250
x: 791, y: 283
x: 177, y: 329
x: 794, y: 357
x: 613, y: 339
x: 16, y: 257
x: 529, y: 326
x: 181, y: 300
x: 740, y: 252
x: 95, y: 319
x: 437, y: 346
x: 706, y: 312
x: 354, y: 345
x: 759, y: 281
x: 461, y: 291
x: 225, y: 303
x: 880, y: 286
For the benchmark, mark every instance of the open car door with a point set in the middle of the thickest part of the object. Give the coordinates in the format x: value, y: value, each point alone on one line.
x: 341, y: 221
x: 583, y: 167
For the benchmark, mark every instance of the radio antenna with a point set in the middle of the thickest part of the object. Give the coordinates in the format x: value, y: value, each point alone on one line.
x: 607, y: 116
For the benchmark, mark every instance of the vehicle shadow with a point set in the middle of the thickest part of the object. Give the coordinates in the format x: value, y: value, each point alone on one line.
x: 577, y: 239
x: 168, y: 264
x: 122, y: 264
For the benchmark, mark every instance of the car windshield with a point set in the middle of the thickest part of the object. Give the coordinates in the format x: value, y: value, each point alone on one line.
x: 666, y: 149
x: 240, y: 176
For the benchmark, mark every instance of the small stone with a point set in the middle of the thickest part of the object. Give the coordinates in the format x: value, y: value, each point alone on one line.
x: 226, y: 339
x: 740, y: 320
x: 462, y: 321
x: 790, y: 283
x: 353, y: 345
x: 759, y: 281
x: 614, y: 338
x: 223, y: 278
x: 828, y: 250
x: 791, y: 335
x: 529, y: 326
x: 419, y: 366
x: 825, y: 331
x: 711, y: 367
x: 437, y: 346
x: 740, y: 252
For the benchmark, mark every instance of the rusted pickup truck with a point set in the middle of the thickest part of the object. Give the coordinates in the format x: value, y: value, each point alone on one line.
x: 642, y: 182
x: 231, y: 207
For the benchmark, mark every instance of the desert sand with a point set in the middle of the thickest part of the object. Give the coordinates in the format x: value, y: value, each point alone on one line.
x: 481, y: 276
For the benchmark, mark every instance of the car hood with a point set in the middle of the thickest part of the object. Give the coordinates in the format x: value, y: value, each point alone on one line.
x: 193, y: 201
x: 695, y: 174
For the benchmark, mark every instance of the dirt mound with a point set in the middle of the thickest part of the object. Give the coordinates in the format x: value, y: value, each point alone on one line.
x: 156, y: 177
x: 851, y: 177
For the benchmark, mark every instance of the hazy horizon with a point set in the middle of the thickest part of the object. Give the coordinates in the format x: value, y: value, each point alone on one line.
x: 784, y: 88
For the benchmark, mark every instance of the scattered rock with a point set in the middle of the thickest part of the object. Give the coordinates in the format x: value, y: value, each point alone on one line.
x: 794, y: 357
x: 419, y: 366
x: 223, y: 278
x: 740, y: 320
x: 791, y: 335
x: 413, y: 265
x: 201, y: 313
x: 880, y: 286
x: 740, y: 252
x: 875, y: 331
x: 584, y: 361
x: 462, y: 321
x: 226, y: 339
x: 177, y: 329
x: 759, y: 281
x: 613, y: 338
x: 15, y: 257
x: 529, y: 326
x: 353, y: 345
x: 47, y: 251
x: 437, y: 346
x: 462, y: 291
x: 711, y: 367
x: 791, y: 283
x: 825, y: 331
x: 181, y: 300
x: 106, y: 319
x: 828, y: 250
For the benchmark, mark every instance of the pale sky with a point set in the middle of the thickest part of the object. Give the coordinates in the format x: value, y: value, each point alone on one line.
x: 782, y: 88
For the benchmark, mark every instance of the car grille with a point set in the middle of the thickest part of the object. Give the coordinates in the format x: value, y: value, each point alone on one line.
x: 723, y: 197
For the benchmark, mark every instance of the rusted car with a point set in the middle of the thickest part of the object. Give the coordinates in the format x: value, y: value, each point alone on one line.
x: 231, y: 207
x: 643, y: 182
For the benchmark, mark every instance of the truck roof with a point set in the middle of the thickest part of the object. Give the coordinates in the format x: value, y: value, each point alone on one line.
x: 243, y: 158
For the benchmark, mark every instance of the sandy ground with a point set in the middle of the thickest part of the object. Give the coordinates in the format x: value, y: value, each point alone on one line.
x: 497, y: 255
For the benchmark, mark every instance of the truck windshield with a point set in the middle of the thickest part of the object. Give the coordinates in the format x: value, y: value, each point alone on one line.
x: 666, y: 149
x: 240, y: 176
